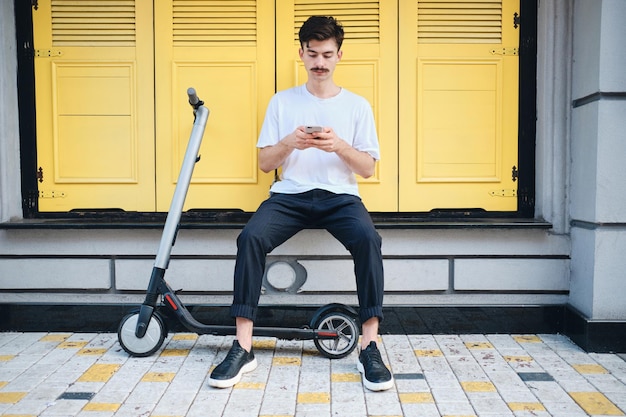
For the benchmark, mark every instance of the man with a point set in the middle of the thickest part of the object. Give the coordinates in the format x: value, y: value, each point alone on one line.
x: 318, y: 188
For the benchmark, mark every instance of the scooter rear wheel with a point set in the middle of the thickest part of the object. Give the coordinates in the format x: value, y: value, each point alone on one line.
x: 146, y: 345
x: 347, y: 331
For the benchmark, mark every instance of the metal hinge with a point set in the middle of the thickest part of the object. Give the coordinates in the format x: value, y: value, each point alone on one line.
x: 516, y: 20
x: 46, y: 53
x: 51, y: 194
x: 514, y: 173
x: 505, y: 51
x: 34, y: 4
x: 503, y: 193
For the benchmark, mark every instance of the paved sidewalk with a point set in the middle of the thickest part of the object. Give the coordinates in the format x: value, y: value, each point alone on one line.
x: 89, y: 375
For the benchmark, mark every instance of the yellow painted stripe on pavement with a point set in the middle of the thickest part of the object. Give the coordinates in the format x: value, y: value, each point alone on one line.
x: 158, y: 377
x: 313, y: 398
x: 596, y: 403
x: 91, y: 352
x: 175, y: 352
x: 286, y: 361
x: 590, y: 369
x: 428, y: 352
x: 264, y: 344
x: 72, y: 344
x: 111, y: 407
x: 526, y: 407
x: 185, y: 336
x: 478, y: 345
x: 478, y: 386
x: 518, y: 359
x: 6, y: 358
x: 527, y: 338
x: 250, y: 385
x: 416, y: 397
x: 345, y: 377
x: 99, y: 373
x: 60, y: 337
x: 11, y: 397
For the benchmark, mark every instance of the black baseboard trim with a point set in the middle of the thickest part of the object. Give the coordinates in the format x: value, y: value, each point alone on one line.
x: 590, y: 335
x: 594, y: 335
x: 398, y: 320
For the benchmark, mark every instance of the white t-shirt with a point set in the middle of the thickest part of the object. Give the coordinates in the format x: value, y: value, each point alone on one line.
x: 348, y: 114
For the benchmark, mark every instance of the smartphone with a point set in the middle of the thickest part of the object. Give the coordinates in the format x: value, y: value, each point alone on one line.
x: 311, y: 129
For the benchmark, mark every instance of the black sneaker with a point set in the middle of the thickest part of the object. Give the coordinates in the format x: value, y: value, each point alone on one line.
x: 376, y: 376
x: 237, y: 362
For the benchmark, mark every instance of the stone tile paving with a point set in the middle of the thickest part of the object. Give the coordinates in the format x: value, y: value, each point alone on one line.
x: 479, y: 375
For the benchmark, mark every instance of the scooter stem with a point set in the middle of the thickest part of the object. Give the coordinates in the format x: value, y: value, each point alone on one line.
x: 180, y: 192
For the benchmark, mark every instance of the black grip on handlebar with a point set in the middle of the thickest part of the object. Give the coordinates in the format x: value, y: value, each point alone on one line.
x: 193, y: 97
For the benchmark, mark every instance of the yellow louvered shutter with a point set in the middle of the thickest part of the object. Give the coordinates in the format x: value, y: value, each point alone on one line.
x: 112, y: 115
x: 459, y: 101
x: 442, y: 22
x: 93, y: 66
x: 225, y: 50
x: 368, y: 68
x: 104, y: 23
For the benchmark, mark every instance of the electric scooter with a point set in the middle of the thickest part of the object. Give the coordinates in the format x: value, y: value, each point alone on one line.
x: 333, y: 328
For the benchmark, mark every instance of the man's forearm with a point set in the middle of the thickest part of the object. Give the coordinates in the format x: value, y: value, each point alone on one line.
x: 271, y: 157
x: 361, y: 163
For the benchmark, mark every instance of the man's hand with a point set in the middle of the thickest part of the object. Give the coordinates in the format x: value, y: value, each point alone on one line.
x: 360, y: 163
x: 271, y: 157
x: 326, y: 140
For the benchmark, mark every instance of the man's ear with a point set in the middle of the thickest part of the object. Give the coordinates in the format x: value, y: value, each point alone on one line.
x: 300, y: 52
x: 339, y: 54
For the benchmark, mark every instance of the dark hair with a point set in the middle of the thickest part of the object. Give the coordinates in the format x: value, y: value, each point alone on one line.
x: 321, y: 28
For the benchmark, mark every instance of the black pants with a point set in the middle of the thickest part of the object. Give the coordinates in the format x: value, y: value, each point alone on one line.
x: 282, y: 216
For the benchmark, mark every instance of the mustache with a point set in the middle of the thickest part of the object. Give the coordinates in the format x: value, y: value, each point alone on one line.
x: 319, y: 69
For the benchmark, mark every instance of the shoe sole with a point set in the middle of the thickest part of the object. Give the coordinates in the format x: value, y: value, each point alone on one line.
x: 227, y: 383
x: 373, y: 386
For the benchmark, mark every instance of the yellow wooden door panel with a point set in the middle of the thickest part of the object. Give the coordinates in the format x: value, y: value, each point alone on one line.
x: 458, y: 114
x: 90, y: 134
x: 472, y: 102
x: 368, y: 68
x: 95, y: 141
x: 225, y: 50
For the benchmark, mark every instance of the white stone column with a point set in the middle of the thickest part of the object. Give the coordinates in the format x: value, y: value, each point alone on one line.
x: 10, y: 193
x: 598, y: 160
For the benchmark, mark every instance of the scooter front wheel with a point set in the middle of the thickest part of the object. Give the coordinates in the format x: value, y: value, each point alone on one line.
x: 347, y: 334
x: 141, y: 346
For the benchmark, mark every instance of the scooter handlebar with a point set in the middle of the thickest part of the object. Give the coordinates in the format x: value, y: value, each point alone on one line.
x: 193, y: 98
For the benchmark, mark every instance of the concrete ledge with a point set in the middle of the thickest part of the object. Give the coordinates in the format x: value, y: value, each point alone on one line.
x: 236, y: 220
